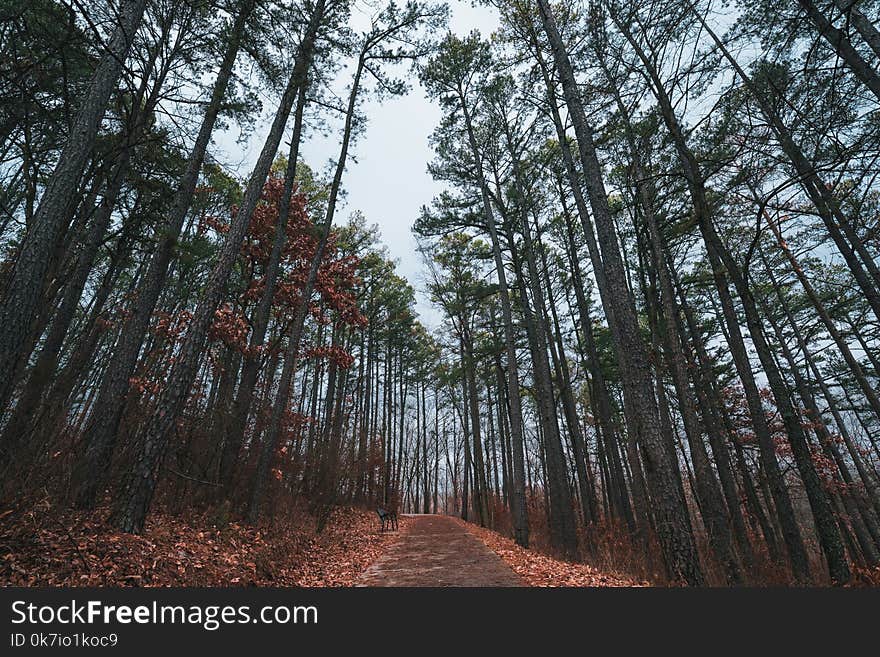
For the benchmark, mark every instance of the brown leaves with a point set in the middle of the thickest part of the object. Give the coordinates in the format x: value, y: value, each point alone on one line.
x: 334, y: 353
x: 76, y: 549
x: 231, y: 327
x: 335, y: 283
x: 540, y: 570
x: 45, y: 547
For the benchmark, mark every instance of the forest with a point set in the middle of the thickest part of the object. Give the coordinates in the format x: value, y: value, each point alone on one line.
x: 653, y: 267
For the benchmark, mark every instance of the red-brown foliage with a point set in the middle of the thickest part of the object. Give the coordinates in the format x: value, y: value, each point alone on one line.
x: 50, y: 547
x: 540, y: 570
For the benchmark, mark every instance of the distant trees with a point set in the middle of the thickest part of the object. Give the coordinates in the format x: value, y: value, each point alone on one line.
x: 454, y: 76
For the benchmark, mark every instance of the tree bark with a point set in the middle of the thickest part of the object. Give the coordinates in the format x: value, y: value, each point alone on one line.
x: 103, y: 424
x: 669, y: 506
x: 518, y: 499
x: 250, y: 372
x: 22, y: 294
x: 132, y: 505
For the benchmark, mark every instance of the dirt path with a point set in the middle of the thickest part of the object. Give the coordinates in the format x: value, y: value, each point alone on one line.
x: 437, y: 551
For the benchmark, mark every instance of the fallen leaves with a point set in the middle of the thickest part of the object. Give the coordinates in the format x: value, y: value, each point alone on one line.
x: 540, y: 570
x: 49, y: 547
x: 81, y: 549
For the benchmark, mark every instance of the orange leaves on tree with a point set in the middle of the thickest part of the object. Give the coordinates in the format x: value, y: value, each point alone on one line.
x: 334, y: 299
x: 171, y: 327
x: 230, y: 327
x: 333, y: 353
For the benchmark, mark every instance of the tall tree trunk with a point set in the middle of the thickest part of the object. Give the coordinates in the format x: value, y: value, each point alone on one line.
x: 838, y: 40
x: 562, y: 521
x: 251, y: 370
x: 103, y: 424
x: 586, y: 487
x: 708, y: 490
x: 22, y: 294
x: 295, y: 337
x: 133, y: 504
x: 670, y: 508
x: 864, y: 26
x: 518, y: 498
x: 473, y: 407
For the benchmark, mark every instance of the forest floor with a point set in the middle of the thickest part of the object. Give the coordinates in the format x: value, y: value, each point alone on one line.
x: 48, y: 546
x: 538, y: 569
x: 446, y: 551
x: 439, y: 551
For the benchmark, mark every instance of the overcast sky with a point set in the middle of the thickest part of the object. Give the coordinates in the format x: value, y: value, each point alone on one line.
x: 387, y: 177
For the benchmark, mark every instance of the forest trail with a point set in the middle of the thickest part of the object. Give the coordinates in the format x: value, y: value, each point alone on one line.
x: 437, y: 551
